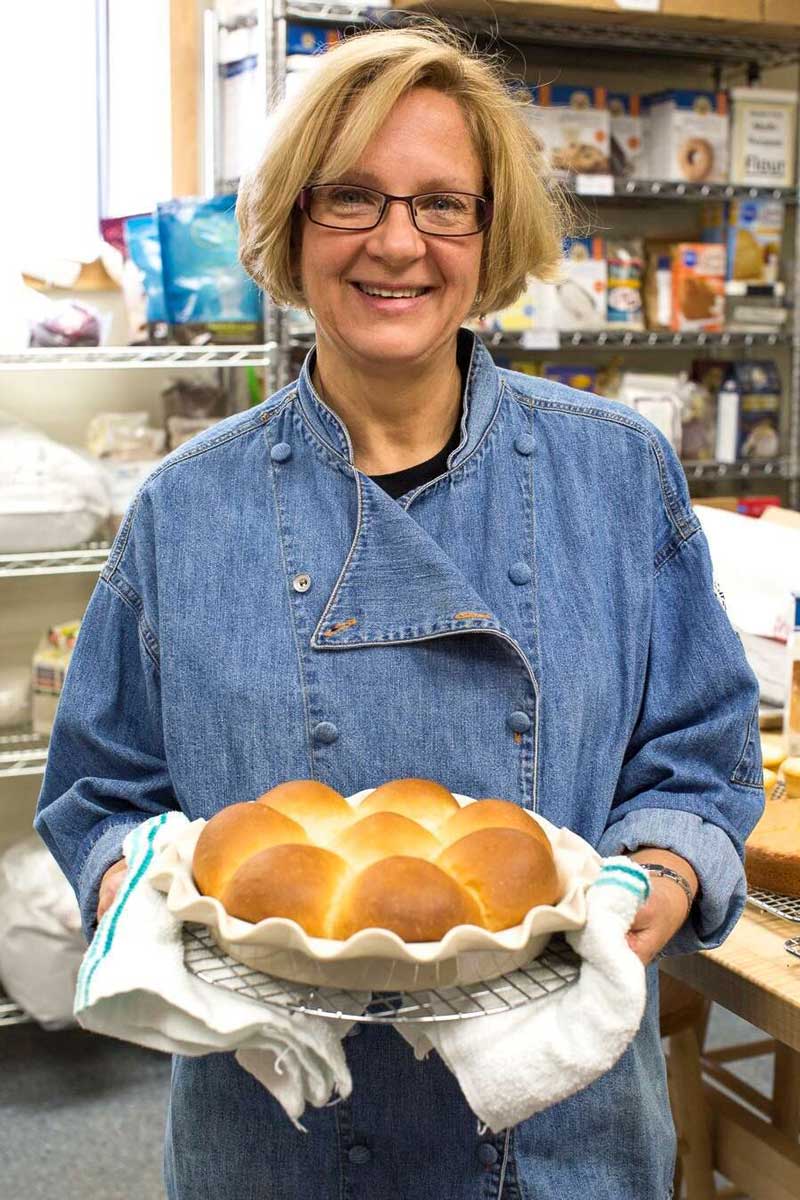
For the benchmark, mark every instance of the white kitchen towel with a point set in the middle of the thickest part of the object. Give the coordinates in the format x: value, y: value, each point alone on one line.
x: 512, y: 1065
x: 133, y: 985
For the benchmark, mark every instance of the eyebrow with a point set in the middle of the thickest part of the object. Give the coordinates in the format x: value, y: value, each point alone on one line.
x: 436, y: 184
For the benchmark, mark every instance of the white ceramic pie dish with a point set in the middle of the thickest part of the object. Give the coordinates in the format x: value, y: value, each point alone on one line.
x: 377, y: 959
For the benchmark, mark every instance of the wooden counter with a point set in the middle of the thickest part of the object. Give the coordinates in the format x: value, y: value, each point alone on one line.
x: 752, y: 975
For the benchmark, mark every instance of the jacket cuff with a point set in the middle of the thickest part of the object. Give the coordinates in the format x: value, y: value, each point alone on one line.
x: 94, y: 859
x: 716, y: 862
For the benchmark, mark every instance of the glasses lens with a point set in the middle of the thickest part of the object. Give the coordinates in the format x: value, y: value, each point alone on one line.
x: 450, y: 212
x: 345, y: 207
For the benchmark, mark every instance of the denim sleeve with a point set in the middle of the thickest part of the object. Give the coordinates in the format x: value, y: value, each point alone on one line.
x: 106, y: 770
x: 691, y: 780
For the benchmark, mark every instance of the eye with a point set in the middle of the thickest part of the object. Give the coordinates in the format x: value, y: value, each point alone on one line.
x: 443, y: 202
x: 350, y: 197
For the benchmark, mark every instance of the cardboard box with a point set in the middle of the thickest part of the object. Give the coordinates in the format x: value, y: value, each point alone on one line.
x: 698, y: 287
x: 688, y: 136
x: 780, y: 12
x: 720, y: 10
x: 581, y: 293
x: 627, y: 135
x: 763, y: 137
x: 755, y: 235
x: 575, y: 127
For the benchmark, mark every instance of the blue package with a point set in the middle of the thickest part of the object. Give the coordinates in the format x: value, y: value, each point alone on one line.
x: 209, y: 295
x: 144, y: 251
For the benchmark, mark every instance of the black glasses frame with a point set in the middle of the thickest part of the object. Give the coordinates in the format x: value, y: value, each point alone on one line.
x: 304, y: 203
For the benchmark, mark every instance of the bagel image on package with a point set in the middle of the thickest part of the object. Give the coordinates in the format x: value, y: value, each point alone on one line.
x: 688, y: 136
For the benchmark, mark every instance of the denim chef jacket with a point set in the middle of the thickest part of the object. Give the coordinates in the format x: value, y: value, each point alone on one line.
x: 539, y: 623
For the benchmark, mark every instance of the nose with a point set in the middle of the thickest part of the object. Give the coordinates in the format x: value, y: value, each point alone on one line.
x: 396, y: 238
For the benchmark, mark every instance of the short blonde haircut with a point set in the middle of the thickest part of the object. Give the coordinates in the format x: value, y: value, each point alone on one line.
x: 322, y: 132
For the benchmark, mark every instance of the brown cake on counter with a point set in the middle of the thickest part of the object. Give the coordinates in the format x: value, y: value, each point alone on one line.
x: 772, y: 852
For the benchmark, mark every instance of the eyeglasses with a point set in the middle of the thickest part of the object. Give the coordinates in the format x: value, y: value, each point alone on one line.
x: 347, y: 207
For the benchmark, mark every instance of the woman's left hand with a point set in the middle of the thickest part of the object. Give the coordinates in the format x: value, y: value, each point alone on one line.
x: 661, y: 916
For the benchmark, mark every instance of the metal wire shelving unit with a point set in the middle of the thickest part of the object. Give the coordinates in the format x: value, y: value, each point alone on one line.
x: 725, y: 53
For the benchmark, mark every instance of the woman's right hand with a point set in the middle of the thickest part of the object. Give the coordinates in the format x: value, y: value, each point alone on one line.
x: 109, y: 886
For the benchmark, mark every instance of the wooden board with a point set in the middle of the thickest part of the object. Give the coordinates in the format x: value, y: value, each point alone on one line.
x: 751, y: 974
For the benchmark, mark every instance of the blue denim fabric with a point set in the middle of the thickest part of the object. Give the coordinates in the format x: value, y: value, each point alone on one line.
x: 538, y: 623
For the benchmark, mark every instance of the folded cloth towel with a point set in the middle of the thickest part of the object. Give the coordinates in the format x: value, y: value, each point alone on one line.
x: 512, y: 1065
x: 133, y: 985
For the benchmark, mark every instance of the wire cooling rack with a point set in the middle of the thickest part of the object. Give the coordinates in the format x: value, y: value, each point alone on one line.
x: 557, y: 967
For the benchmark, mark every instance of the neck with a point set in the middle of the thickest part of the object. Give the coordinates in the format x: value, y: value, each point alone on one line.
x: 396, y: 417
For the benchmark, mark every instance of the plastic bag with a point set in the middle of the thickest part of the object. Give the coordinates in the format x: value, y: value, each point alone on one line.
x: 41, y: 943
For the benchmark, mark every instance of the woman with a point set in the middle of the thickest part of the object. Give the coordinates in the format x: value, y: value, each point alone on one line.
x: 412, y: 563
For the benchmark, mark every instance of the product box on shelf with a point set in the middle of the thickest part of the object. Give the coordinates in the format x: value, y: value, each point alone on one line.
x: 720, y: 10
x: 309, y: 39
x: 698, y: 287
x: 50, y: 661
x: 574, y: 126
x: 534, y: 310
x: 781, y: 12
x: 755, y: 234
x: 688, y: 136
x: 627, y: 143
x: 580, y: 377
x: 758, y: 384
x: 581, y: 293
x: 763, y: 137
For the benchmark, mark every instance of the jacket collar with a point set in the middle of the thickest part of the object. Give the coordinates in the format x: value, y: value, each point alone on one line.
x: 481, y: 396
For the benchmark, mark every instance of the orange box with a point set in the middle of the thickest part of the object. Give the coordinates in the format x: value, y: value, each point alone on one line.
x: 698, y: 287
x: 720, y: 10
x: 780, y: 12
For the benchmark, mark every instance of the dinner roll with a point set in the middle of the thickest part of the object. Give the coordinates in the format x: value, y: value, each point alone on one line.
x: 508, y: 872
x: 488, y: 814
x: 790, y: 774
x: 770, y: 779
x: 382, y: 835
x: 299, y: 882
x: 773, y: 750
x: 321, y: 811
x: 420, y: 799
x: 233, y: 835
x: 413, y: 898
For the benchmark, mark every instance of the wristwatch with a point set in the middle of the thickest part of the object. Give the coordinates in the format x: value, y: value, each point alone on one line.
x: 668, y: 873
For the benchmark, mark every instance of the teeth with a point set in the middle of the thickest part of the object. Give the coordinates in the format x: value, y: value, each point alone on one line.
x: 391, y: 293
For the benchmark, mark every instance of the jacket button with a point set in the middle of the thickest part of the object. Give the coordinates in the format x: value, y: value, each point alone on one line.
x: 488, y: 1154
x: 359, y: 1154
x: 301, y: 583
x: 520, y: 722
x: 325, y: 732
x: 520, y: 572
x: 524, y: 444
x: 280, y: 452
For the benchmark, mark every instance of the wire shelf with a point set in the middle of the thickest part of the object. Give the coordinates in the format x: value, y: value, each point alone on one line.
x: 776, y: 905
x: 22, y: 752
x: 612, y: 339
x: 607, y: 187
x: 557, y: 967
x: 89, y: 558
x: 119, y: 357
x: 11, y: 1013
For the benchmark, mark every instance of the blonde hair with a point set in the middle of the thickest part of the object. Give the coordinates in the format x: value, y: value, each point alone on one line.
x: 322, y: 132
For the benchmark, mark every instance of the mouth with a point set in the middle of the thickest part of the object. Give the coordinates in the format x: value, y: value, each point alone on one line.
x: 390, y: 292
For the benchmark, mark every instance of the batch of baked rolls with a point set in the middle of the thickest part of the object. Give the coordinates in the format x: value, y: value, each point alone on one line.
x: 772, y: 852
x: 408, y: 859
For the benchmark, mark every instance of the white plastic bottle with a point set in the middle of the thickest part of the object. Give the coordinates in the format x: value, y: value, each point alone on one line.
x: 727, y: 442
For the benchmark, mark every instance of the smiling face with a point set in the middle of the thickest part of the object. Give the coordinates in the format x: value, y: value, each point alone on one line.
x: 423, y: 146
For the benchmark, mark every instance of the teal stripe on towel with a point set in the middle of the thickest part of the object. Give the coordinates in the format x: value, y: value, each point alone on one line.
x: 629, y: 887
x: 130, y: 885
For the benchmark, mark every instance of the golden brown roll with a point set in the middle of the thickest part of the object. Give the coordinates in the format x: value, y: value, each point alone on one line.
x: 413, y: 898
x: 321, y: 811
x: 299, y: 882
x: 773, y: 750
x: 770, y: 779
x: 789, y: 772
x: 232, y: 836
x: 508, y: 872
x: 382, y: 835
x: 489, y: 814
x: 420, y: 799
